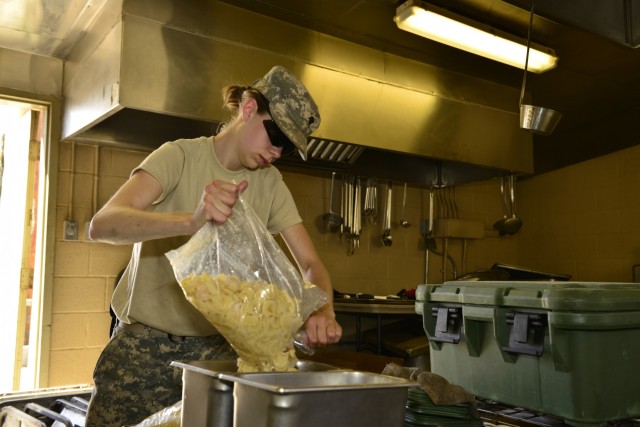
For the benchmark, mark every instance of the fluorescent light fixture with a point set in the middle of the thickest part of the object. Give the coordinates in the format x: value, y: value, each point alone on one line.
x: 445, y: 27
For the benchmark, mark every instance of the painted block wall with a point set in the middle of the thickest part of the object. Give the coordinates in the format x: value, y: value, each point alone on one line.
x: 582, y: 220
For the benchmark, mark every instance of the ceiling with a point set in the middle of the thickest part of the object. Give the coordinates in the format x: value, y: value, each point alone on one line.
x: 594, y: 86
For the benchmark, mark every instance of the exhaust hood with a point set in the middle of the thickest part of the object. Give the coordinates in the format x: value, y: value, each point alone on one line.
x: 150, y: 71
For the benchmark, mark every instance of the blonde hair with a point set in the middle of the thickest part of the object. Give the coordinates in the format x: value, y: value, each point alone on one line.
x: 233, y: 96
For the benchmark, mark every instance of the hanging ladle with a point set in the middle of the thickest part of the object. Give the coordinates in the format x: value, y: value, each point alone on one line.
x: 513, y: 223
x: 403, y: 220
x: 499, y: 224
x: 387, y: 240
x: 332, y: 220
x: 538, y: 120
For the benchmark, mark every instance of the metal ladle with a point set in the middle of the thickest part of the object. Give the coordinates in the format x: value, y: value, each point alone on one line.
x: 513, y: 224
x: 499, y: 224
x: 387, y: 240
x: 403, y: 221
x: 539, y: 120
x: 332, y: 220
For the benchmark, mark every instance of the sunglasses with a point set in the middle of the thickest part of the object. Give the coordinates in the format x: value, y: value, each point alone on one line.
x: 278, y: 138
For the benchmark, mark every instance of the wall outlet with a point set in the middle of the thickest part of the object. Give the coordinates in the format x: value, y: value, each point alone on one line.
x: 70, y: 230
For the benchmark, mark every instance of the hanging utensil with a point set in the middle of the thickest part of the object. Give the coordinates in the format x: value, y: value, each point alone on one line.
x: 513, y: 223
x: 367, y: 197
x: 538, y: 120
x: 349, y: 210
x: 428, y: 234
x: 349, y: 216
x: 357, y: 212
x: 343, y: 192
x: 371, y: 199
x: 426, y: 230
x: 331, y: 219
x: 499, y: 224
x: 403, y: 221
x: 387, y: 240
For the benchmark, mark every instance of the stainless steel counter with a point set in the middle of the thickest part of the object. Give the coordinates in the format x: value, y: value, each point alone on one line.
x: 377, y: 308
x: 374, y: 306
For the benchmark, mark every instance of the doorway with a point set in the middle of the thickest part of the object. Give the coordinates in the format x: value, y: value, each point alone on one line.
x: 22, y: 143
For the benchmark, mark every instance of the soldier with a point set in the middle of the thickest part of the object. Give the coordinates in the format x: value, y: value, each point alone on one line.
x: 161, y: 205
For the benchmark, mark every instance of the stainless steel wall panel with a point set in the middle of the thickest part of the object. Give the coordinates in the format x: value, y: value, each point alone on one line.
x: 93, y: 93
x: 31, y: 73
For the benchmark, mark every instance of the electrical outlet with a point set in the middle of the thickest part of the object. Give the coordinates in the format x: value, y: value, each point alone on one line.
x: 70, y: 230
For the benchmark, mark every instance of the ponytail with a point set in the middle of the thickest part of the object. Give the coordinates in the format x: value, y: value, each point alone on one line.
x: 234, y: 95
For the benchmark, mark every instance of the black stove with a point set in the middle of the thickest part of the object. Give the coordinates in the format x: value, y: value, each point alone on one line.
x: 499, y: 414
x: 65, y: 406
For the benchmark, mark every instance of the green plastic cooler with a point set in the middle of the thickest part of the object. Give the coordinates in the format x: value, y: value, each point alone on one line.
x: 569, y: 349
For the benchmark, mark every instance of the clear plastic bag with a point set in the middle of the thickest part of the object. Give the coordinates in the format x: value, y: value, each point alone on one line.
x: 237, y: 276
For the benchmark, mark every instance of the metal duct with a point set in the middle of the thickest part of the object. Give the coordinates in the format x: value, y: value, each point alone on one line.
x: 616, y: 20
x: 149, y: 71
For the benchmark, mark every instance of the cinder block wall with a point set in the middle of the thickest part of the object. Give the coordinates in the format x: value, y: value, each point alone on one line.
x: 582, y: 220
x: 85, y: 271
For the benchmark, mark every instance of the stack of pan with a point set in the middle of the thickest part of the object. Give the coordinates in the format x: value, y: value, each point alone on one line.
x: 421, y: 411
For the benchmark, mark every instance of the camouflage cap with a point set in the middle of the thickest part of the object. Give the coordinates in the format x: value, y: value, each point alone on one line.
x: 291, y: 106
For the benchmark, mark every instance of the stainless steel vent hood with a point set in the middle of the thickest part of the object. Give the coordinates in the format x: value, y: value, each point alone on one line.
x: 149, y: 71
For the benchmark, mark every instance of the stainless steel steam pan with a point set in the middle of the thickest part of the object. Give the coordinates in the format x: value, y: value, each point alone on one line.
x: 315, y: 399
x: 207, y: 400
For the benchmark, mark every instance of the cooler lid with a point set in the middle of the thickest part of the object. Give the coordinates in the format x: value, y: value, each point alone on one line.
x: 545, y: 295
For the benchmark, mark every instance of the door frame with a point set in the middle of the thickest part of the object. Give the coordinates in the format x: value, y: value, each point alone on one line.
x: 40, y: 329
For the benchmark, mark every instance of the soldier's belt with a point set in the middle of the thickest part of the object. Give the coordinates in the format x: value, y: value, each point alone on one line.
x: 148, y: 331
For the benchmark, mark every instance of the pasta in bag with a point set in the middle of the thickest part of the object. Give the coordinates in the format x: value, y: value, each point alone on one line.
x: 237, y: 276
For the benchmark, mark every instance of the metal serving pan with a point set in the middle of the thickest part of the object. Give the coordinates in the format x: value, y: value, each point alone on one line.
x: 207, y: 400
x: 318, y: 399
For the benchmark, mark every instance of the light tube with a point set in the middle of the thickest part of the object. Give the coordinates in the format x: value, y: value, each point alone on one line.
x: 443, y: 29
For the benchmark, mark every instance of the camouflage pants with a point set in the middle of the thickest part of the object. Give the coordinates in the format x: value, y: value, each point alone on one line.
x: 133, y: 377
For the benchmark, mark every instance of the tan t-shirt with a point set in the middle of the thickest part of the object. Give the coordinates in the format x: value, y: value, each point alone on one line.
x: 148, y: 292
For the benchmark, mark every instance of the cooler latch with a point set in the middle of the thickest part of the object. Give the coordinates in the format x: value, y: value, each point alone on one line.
x: 527, y: 333
x: 448, y: 324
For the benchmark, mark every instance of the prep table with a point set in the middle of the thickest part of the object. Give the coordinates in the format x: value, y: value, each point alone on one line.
x: 377, y: 307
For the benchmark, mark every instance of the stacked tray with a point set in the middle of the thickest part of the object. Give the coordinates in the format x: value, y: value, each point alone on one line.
x: 421, y: 411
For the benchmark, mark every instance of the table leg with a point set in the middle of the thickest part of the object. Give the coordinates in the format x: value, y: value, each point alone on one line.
x: 358, y: 333
x: 379, y: 334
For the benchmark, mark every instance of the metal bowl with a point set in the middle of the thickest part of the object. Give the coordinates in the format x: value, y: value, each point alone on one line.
x: 538, y: 119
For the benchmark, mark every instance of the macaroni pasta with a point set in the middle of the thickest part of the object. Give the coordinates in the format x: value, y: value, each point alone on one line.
x: 258, y: 319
